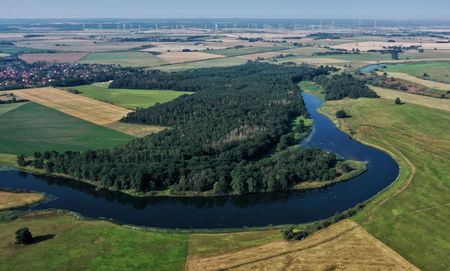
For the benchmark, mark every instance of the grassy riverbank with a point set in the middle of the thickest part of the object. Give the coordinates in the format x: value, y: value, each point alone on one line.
x: 412, y: 215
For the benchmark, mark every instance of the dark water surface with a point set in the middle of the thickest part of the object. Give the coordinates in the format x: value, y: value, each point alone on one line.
x: 254, y: 210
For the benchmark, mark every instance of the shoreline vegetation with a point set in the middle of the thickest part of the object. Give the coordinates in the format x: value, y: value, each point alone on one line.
x: 357, y: 168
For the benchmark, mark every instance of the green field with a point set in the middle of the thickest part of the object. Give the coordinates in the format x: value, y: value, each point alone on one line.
x: 32, y: 127
x: 128, y: 59
x: 89, y: 245
x: 218, y: 62
x: 246, y: 50
x: 128, y: 98
x: 411, y: 217
x: 437, y: 70
x: 20, y: 50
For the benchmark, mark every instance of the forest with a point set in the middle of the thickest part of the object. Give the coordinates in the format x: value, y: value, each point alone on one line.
x: 340, y: 86
x: 231, y: 136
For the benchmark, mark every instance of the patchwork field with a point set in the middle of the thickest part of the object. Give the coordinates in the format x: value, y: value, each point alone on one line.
x: 128, y: 59
x: 437, y: 71
x: 79, y: 45
x: 65, y: 243
x: 11, y: 200
x: 406, y: 216
x: 55, y: 57
x: 179, y: 57
x: 75, y: 105
x: 32, y: 127
x: 128, y: 98
x: 85, y: 108
x: 343, y: 246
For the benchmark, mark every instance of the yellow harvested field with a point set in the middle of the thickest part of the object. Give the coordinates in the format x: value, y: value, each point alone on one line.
x: 75, y: 105
x: 443, y: 104
x: 426, y: 83
x: 87, y: 109
x: 179, y: 57
x: 12, y: 200
x: 56, y: 57
x: 379, y: 45
x: 266, y: 55
x: 343, y: 246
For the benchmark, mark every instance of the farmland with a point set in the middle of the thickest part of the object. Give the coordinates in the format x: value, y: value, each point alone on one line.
x: 128, y: 98
x: 246, y: 50
x: 53, y: 57
x: 67, y: 243
x: 436, y: 71
x: 328, y: 249
x: 126, y: 59
x: 179, y: 57
x: 32, y: 127
x: 219, y: 62
x: 403, y: 216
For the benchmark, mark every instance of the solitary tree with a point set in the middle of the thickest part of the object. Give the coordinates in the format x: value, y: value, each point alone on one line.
x: 24, y: 236
x: 341, y: 114
x: 398, y: 101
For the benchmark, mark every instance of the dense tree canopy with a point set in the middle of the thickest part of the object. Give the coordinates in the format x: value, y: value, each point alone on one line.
x: 344, y: 85
x: 216, y: 138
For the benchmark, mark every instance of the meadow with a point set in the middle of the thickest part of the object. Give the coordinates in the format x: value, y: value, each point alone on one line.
x: 437, y: 70
x: 126, y: 59
x: 31, y: 127
x: 67, y: 243
x: 411, y: 216
x: 128, y: 98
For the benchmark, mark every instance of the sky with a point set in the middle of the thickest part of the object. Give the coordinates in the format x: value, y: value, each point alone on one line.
x: 296, y: 9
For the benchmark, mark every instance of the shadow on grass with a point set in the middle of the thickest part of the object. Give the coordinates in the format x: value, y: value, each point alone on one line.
x: 42, y: 238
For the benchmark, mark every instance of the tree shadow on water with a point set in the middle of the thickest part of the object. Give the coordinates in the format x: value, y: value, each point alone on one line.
x: 42, y: 238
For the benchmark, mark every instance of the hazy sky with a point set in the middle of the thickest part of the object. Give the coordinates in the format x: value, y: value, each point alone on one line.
x: 351, y: 9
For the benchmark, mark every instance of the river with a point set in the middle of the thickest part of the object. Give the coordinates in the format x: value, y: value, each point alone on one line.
x: 254, y: 210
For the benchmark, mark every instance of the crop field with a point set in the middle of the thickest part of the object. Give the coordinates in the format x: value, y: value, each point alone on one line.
x: 406, y: 215
x: 19, y: 50
x: 79, y: 45
x: 218, y: 62
x: 179, y: 57
x: 437, y: 71
x: 246, y: 51
x: 11, y: 200
x: 32, y: 127
x: 75, y: 105
x: 345, y: 245
x: 55, y: 57
x: 66, y: 243
x: 128, y: 98
x: 128, y: 59
x: 85, y: 108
